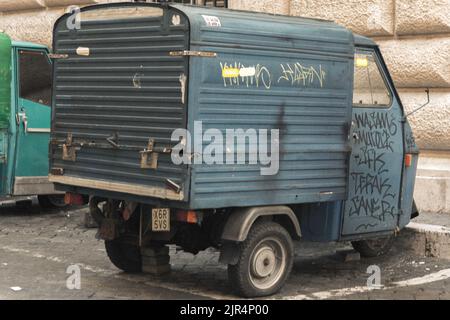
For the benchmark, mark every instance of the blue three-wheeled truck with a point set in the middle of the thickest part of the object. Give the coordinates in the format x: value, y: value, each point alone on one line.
x: 339, y: 158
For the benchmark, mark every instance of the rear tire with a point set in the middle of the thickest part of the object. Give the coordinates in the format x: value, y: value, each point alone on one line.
x: 52, y: 201
x: 265, y: 261
x: 125, y: 256
x: 374, y: 247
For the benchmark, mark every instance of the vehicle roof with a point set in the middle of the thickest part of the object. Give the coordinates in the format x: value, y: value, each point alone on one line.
x: 255, y: 28
x: 267, y: 17
x: 363, y: 41
x: 296, y: 21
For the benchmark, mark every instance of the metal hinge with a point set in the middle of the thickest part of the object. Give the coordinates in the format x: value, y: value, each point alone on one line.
x: 183, y: 80
x: 205, y: 54
x: 149, y: 156
x: 69, y: 152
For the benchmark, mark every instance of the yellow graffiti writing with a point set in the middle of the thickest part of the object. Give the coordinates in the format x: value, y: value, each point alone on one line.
x: 230, y: 72
x: 238, y: 74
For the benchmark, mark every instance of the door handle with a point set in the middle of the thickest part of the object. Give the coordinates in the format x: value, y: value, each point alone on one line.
x: 22, y: 117
x: 355, y: 136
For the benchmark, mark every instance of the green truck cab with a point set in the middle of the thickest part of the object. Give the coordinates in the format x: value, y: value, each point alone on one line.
x: 25, y: 99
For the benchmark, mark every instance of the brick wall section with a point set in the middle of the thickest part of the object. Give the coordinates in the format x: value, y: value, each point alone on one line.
x: 414, y: 36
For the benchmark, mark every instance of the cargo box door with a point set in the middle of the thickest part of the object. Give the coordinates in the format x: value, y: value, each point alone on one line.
x: 119, y: 94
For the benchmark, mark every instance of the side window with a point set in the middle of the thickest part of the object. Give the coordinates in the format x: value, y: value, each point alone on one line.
x: 369, y: 89
x: 35, y: 78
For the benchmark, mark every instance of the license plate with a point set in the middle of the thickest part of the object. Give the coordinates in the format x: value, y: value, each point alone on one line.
x: 161, y: 219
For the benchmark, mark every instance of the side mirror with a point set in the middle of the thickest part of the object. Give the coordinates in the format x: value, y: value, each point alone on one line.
x: 415, y: 110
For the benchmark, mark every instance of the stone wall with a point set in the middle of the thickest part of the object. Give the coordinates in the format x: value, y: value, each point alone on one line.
x: 414, y: 36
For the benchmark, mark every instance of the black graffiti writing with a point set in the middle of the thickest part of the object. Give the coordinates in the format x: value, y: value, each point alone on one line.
x: 366, y: 226
x: 368, y: 184
x: 371, y: 207
x: 372, y: 194
x: 375, y: 121
x: 376, y: 139
x: 410, y: 141
x: 371, y: 159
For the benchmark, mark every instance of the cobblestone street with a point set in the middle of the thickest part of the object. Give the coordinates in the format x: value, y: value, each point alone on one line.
x: 36, y: 249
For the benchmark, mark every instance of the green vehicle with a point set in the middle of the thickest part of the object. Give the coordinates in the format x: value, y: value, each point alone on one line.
x: 25, y: 99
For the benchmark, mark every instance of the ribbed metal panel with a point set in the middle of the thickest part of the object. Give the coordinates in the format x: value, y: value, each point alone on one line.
x: 128, y: 85
x: 95, y: 97
x: 313, y: 118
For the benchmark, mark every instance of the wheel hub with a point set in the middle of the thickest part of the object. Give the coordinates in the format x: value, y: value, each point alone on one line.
x: 264, y: 262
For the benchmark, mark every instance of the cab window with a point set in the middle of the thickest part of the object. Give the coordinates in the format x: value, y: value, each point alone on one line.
x: 369, y: 89
x: 35, y: 77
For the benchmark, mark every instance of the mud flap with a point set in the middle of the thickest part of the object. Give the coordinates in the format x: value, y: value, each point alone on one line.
x: 229, y: 253
x: 414, y: 211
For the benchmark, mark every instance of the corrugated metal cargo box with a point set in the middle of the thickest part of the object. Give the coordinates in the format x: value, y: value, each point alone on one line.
x: 131, y: 74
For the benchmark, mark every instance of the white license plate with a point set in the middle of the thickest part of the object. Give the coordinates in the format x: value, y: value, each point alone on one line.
x: 161, y: 219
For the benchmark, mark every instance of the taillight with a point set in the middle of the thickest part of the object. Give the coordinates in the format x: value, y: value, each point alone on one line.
x: 188, y: 216
x: 74, y: 199
x: 408, y: 160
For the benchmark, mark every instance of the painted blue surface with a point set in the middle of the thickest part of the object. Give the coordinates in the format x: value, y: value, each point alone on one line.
x: 321, y: 222
x: 302, y: 85
x: 310, y: 105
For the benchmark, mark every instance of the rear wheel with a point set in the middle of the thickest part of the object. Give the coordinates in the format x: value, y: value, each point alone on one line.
x: 374, y: 247
x: 124, y: 256
x: 265, y: 261
x: 52, y: 201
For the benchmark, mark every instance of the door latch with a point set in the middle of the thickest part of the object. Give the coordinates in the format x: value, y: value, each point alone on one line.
x: 68, y: 150
x: 150, y: 155
x: 149, y: 158
x: 22, y: 117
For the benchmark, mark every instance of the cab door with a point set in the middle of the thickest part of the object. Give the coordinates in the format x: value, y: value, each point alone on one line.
x: 376, y: 160
x: 33, y: 100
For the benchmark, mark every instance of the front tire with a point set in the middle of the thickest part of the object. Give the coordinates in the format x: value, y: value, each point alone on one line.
x: 265, y: 261
x: 52, y: 201
x: 374, y: 247
x: 125, y: 256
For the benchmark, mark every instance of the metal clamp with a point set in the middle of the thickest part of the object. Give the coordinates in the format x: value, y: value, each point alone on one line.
x: 57, y: 56
x: 185, y: 53
x: 147, y: 153
x: 69, y: 152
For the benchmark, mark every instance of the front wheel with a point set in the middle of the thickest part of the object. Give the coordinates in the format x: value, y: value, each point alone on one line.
x: 265, y: 261
x: 52, y: 201
x: 374, y: 247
